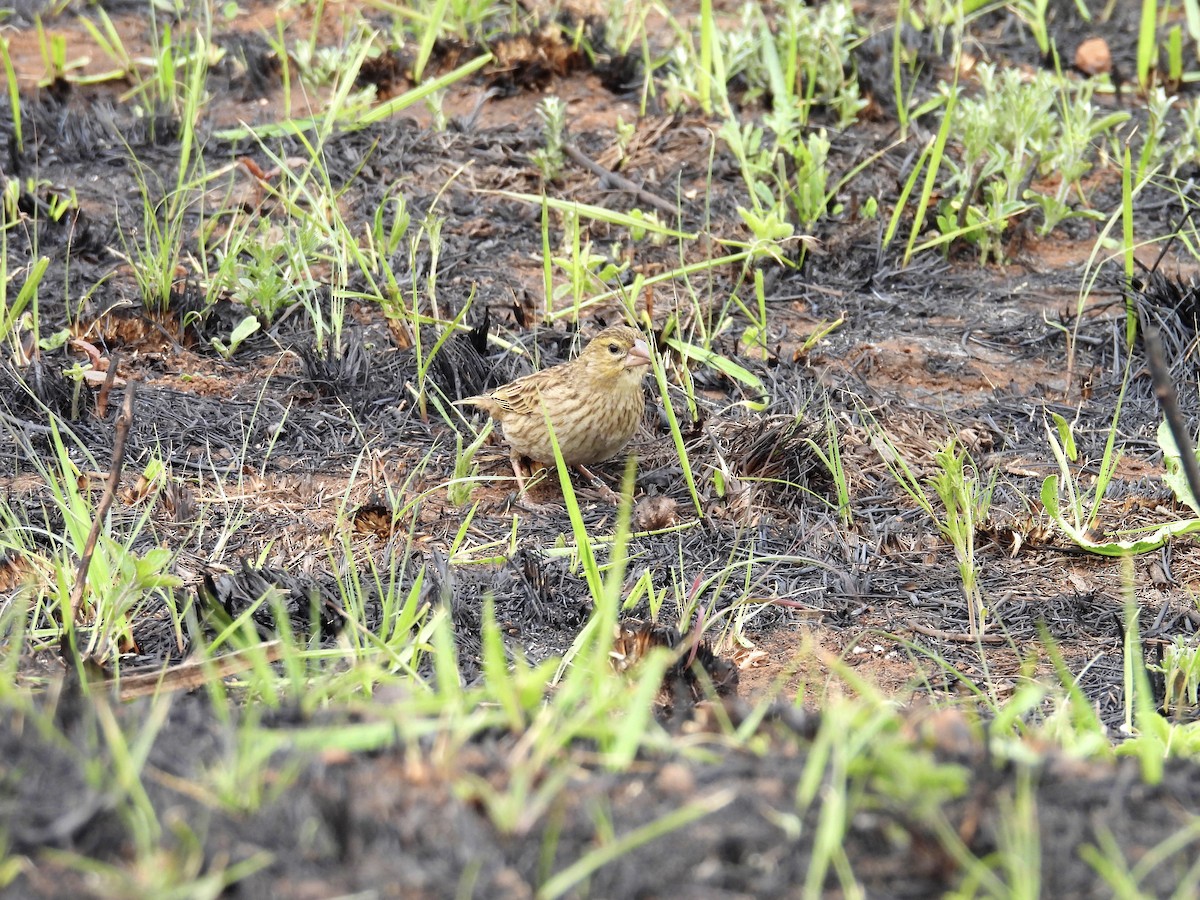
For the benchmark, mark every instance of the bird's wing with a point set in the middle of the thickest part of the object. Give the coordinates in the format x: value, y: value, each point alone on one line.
x: 481, y: 401
x: 524, y: 396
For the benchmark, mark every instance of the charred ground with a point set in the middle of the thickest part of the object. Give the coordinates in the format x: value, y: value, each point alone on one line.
x: 291, y: 445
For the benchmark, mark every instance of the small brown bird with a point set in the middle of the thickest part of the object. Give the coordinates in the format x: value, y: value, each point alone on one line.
x: 594, y: 403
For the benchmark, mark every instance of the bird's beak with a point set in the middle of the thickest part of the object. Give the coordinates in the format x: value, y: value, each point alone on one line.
x: 639, y: 355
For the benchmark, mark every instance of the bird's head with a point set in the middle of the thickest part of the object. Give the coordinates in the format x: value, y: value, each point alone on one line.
x: 618, y: 352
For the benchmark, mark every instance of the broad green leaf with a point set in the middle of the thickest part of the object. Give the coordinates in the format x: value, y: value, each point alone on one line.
x: 1151, y: 541
x: 1175, y: 478
x: 244, y: 329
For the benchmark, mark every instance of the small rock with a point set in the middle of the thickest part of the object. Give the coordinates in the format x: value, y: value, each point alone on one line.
x: 1093, y: 57
x: 654, y: 513
x: 676, y: 779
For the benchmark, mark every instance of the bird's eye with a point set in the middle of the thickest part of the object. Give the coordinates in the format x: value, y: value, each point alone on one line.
x: 614, y: 349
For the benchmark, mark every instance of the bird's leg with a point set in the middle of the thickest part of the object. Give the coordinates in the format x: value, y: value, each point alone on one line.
x: 516, y: 465
x: 605, y: 491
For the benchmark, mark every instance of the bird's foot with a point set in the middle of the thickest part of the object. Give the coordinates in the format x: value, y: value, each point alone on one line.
x: 606, y: 493
x: 523, y: 495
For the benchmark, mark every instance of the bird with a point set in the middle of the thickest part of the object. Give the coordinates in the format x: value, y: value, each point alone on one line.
x: 594, y: 403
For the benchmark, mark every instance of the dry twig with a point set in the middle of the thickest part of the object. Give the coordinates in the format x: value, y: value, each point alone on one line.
x: 121, y: 432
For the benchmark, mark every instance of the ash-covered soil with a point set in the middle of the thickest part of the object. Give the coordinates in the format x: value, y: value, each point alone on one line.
x: 315, y: 437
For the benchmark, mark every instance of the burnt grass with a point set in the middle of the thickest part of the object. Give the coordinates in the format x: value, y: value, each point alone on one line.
x: 937, y: 349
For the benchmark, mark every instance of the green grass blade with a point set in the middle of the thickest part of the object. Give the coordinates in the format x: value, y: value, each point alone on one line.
x: 573, y: 874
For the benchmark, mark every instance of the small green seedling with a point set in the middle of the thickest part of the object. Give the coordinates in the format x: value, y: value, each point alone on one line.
x: 241, y: 331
